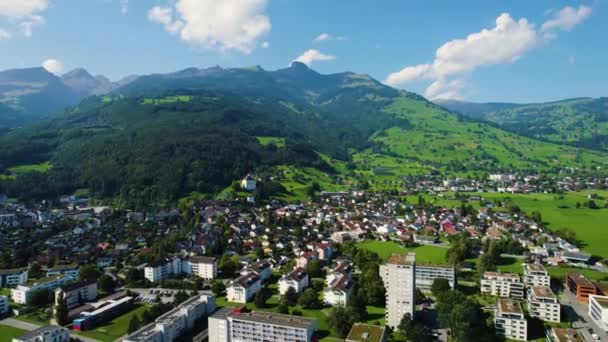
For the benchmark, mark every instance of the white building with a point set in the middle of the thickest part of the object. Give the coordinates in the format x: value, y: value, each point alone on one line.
x: 339, y: 291
x: 21, y: 294
x: 163, y: 269
x: 3, y: 305
x: 426, y: 275
x: 49, y: 333
x: 13, y: 277
x: 502, y: 285
x: 598, y: 310
x: 204, y: 267
x: 543, y: 304
x: 75, y: 294
x: 72, y: 270
x: 243, y: 288
x: 536, y: 275
x: 262, y: 268
x: 563, y: 335
x: 176, y: 322
x: 509, y: 320
x: 296, y: 278
x: 399, y: 279
x: 228, y: 325
x: 249, y: 183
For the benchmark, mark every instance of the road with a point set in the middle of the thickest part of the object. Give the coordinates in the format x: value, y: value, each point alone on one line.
x: 15, y: 323
x: 579, y: 315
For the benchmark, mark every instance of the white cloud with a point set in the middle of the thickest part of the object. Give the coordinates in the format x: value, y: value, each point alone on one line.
x: 53, y: 66
x: 445, y: 89
x: 408, y: 74
x: 313, y: 55
x: 124, y: 7
x: 4, y: 34
x: 216, y: 24
x: 323, y: 37
x: 25, y: 13
x: 567, y: 18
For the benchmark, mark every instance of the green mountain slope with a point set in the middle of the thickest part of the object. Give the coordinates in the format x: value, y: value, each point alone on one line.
x: 579, y: 122
x: 198, y: 130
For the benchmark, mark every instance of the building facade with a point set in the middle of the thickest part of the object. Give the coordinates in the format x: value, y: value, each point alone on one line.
x: 536, y: 275
x: 543, y: 304
x: 598, y: 310
x: 21, y: 294
x: 505, y: 285
x: 13, y: 277
x: 243, y: 288
x: 74, y: 294
x: 49, y: 333
x: 204, y: 267
x: 399, y: 277
x: 580, y: 286
x: 509, y: 320
x: 296, y: 279
x: 4, y: 309
x: 426, y: 275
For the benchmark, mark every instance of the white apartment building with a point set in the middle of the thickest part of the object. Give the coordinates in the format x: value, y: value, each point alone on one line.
x: 426, y: 275
x: 49, y: 333
x: 598, y: 310
x: 262, y: 268
x: 71, y: 270
x: 399, y: 277
x: 339, y: 291
x: 3, y: 305
x: 543, y: 304
x: 228, y: 325
x: 21, y: 294
x: 203, y: 267
x: 342, y: 268
x: 243, y: 288
x: 163, y: 269
x: 509, y: 320
x: 13, y: 277
x: 175, y: 323
x: 296, y: 278
x: 502, y: 285
x: 536, y: 275
x: 74, y: 294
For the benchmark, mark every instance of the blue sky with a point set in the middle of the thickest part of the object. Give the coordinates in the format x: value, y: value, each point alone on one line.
x: 531, y: 50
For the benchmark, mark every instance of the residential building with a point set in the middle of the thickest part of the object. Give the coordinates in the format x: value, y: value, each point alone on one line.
x: 509, y: 320
x: 426, y: 275
x: 543, y: 304
x: 76, y: 293
x: 502, y: 285
x: 598, y: 310
x: 580, y: 286
x: 563, y: 335
x: 339, y: 291
x: 228, y: 325
x: 21, y: 294
x: 3, y: 305
x: 204, y: 267
x: 165, y: 268
x: 102, y: 312
x: 49, y: 333
x: 536, y: 275
x: 175, y: 323
x: 262, y: 268
x: 13, y: 277
x: 296, y: 279
x: 361, y: 332
x: 243, y: 288
x: 398, y: 275
x: 71, y: 270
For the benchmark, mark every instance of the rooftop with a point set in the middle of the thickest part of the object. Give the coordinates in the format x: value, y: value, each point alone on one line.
x: 566, y: 335
x: 601, y: 300
x: 543, y: 292
x: 535, y: 268
x: 500, y: 275
x: 402, y: 259
x: 274, y: 318
x: 579, y: 280
x: 40, y: 331
x: 509, y: 306
x: 365, y: 332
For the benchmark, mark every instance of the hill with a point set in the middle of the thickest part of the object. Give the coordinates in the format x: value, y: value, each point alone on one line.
x: 197, y: 130
x: 579, y: 122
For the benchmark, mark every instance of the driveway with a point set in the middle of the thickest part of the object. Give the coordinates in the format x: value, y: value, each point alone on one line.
x: 579, y: 315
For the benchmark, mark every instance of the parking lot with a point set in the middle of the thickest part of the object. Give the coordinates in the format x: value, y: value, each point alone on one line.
x: 580, y: 317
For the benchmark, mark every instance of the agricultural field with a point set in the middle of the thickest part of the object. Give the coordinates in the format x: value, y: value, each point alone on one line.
x: 114, y: 329
x: 7, y: 333
x: 424, y: 254
x: 12, y: 172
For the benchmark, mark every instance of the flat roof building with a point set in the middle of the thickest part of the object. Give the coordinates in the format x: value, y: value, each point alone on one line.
x: 598, y: 310
x: 580, y: 286
x: 426, y: 275
x: 543, y: 304
x: 502, y: 285
x: 563, y: 335
x: 361, y: 332
x: 399, y: 277
x: 509, y: 320
x: 536, y: 275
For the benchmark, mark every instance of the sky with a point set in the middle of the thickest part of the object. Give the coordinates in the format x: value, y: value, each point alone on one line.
x: 506, y: 51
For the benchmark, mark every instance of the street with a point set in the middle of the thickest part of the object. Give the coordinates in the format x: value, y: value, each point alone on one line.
x: 578, y: 314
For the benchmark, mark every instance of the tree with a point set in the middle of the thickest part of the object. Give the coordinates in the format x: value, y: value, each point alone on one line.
x: 134, y: 324
x: 440, y: 285
x: 283, y: 308
x: 309, y: 299
x: 259, y: 252
x: 341, y: 320
x: 218, y: 287
x: 296, y: 312
x: 106, y: 283
x: 180, y: 297
x: 259, y: 300
x: 290, y: 296
x: 89, y: 273
x: 314, y: 269
x: 61, y: 311
x: 35, y: 270
x: 419, y: 296
x: 40, y: 298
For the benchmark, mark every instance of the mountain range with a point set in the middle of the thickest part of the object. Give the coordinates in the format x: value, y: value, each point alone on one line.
x: 162, y: 136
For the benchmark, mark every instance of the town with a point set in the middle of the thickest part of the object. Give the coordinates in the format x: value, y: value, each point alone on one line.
x: 442, y: 259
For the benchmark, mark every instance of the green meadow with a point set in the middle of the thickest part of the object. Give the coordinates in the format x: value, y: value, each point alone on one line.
x: 424, y: 254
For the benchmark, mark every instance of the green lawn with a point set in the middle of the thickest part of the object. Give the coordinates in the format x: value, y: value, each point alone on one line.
x: 114, y: 329
x: 424, y: 254
x: 42, y: 167
x: 277, y: 141
x: 7, y: 333
x: 39, y: 317
x: 168, y: 99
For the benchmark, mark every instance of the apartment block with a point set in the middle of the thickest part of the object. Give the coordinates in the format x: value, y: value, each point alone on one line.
x: 563, y: 335
x: 361, y: 332
x: 243, y: 288
x: 4, y: 308
x: 175, y: 323
x: 21, y: 294
x: 543, y: 304
x: 509, y: 320
x: 399, y: 277
x: 203, y: 267
x: 505, y: 285
x: 13, y: 277
x: 536, y: 275
x: 71, y: 270
x: 76, y: 293
x: 49, y: 333
x: 580, y: 286
x: 426, y: 275
x: 233, y: 325
x: 598, y: 310
x: 296, y: 279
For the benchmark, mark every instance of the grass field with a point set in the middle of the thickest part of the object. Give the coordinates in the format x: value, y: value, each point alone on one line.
x: 168, y: 99
x: 114, y: 329
x: 277, y: 141
x: 424, y: 254
x: 42, y: 167
x: 7, y: 333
